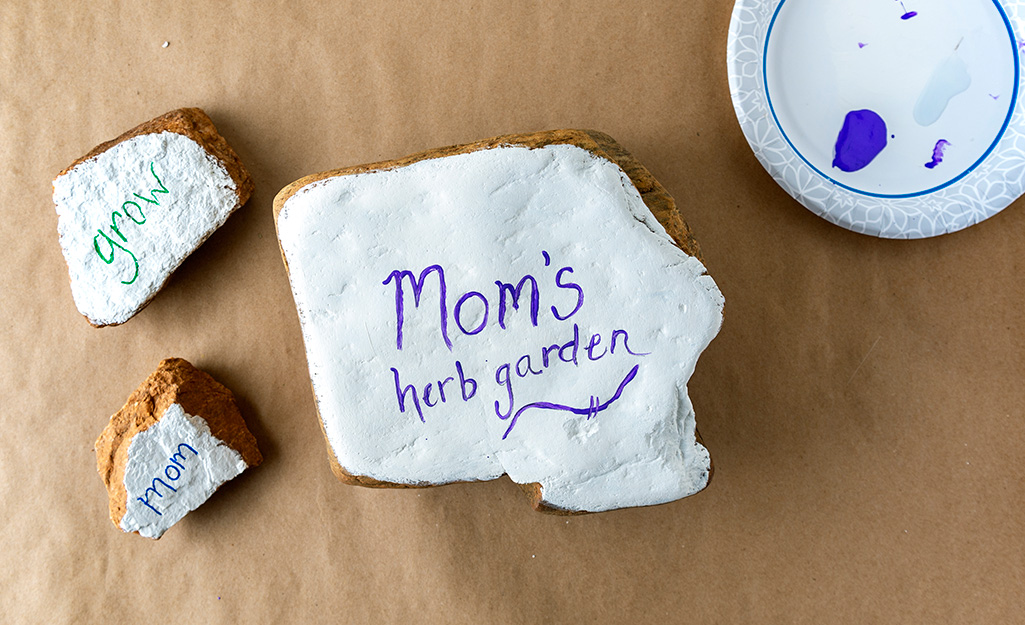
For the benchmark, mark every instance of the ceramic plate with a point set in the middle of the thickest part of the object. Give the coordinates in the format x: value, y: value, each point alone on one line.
x: 899, y: 119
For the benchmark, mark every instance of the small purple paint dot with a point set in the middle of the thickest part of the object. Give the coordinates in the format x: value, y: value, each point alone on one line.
x: 995, y: 97
x: 861, y: 45
x: 861, y: 139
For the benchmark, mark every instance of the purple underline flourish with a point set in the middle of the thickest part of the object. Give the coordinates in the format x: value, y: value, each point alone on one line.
x: 591, y: 411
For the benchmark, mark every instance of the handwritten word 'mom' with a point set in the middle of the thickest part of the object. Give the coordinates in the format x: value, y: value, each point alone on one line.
x: 176, y: 465
x: 112, y: 245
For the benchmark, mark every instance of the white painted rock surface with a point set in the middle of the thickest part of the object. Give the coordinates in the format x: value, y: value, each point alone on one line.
x: 177, y: 439
x: 427, y: 370
x: 129, y: 215
x: 173, y: 468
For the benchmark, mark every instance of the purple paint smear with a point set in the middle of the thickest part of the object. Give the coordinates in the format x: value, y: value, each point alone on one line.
x: 937, y: 153
x: 861, y: 139
x: 995, y: 97
x: 861, y: 45
x: 907, y: 14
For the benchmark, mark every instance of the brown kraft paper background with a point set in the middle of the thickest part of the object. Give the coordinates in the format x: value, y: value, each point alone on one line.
x: 862, y: 403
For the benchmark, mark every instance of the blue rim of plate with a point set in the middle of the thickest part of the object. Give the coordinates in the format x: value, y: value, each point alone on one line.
x: 989, y: 186
x: 959, y: 177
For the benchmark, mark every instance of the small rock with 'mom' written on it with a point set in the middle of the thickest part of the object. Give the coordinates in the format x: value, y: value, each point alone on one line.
x: 179, y: 437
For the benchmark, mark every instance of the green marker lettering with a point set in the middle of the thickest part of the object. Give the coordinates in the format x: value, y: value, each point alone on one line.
x: 113, y: 226
x: 124, y: 207
x: 153, y: 192
x: 113, y: 244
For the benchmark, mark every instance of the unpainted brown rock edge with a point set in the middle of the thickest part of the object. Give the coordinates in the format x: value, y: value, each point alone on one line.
x: 195, y: 124
x: 656, y: 198
x: 174, y: 381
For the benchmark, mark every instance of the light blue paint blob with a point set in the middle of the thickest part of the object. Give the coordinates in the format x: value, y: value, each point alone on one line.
x: 948, y: 79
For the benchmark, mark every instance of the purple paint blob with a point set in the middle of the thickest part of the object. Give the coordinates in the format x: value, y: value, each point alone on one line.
x: 907, y: 14
x: 937, y: 153
x: 861, y: 139
x: 861, y: 45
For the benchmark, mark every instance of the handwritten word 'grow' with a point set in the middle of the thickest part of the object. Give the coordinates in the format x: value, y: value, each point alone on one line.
x: 112, y: 244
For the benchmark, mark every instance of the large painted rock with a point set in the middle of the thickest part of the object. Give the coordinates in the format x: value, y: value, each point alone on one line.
x: 530, y: 305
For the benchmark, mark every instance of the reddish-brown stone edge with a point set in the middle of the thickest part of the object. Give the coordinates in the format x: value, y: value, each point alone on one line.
x: 655, y: 197
x: 196, y: 125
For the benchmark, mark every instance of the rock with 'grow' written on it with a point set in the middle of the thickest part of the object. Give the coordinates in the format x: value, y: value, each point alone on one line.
x: 176, y: 440
x: 131, y: 210
x: 529, y: 305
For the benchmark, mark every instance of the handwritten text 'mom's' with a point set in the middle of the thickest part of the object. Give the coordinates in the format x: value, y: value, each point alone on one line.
x: 505, y: 298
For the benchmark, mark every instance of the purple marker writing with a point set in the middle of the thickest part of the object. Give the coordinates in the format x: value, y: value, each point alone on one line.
x: 594, y: 406
x: 508, y: 294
